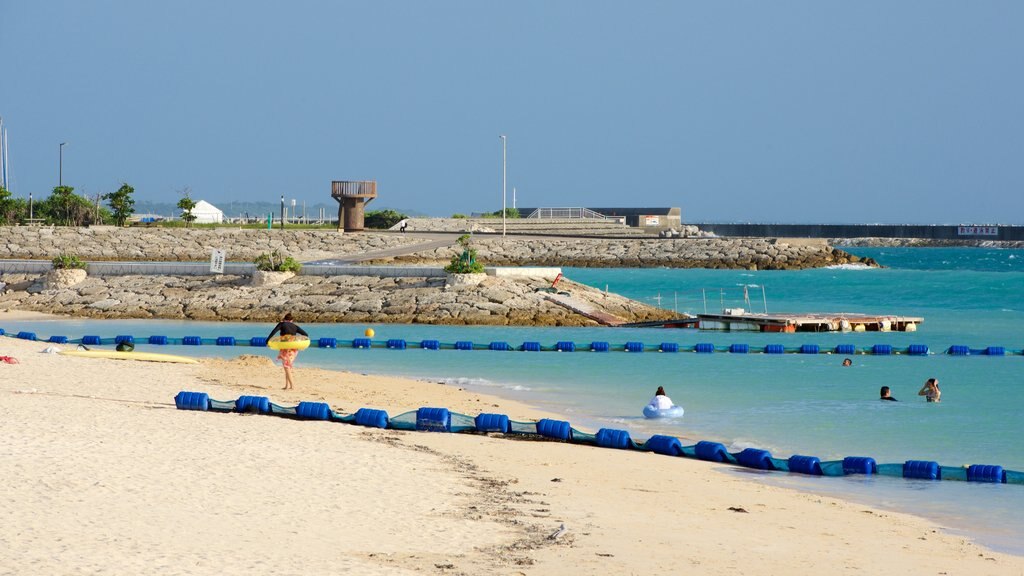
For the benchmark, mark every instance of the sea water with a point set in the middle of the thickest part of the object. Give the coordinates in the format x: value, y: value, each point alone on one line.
x: 788, y: 404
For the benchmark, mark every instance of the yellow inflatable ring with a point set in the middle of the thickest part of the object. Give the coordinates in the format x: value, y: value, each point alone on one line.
x: 299, y: 343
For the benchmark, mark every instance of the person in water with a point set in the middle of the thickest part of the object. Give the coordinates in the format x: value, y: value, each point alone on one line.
x: 847, y: 362
x: 289, y: 330
x: 886, y: 395
x: 930, y: 390
x: 660, y: 401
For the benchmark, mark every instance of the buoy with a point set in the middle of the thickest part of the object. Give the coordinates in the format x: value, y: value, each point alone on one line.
x: 369, y: 332
x: 910, y: 327
x: 859, y: 328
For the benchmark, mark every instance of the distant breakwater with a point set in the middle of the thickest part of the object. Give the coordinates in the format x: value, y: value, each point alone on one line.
x: 195, y: 245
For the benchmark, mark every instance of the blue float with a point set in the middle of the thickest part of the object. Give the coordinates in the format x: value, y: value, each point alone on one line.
x: 225, y: 340
x: 846, y: 349
x: 611, y: 438
x: 87, y: 340
x: 804, y: 465
x: 921, y: 469
x: 154, y: 340
x: 362, y: 343
x: 499, y: 346
x: 327, y: 342
x: 711, y: 451
x: 463, y: 345
x: 530, y: 347
x: 557, y: 429
x: 27, y: 335
x: 755, y: 458
x: 995, y: 351
x: 667, y: 445
x: 493, y: 423
x: 668, y: 347
x: 634, y: 347
x: 192, y: 401
x: 58, y: 339
x: 859, y: 465
x: 599, y: 347
x: 430, y: 345
x: 704, y: 348
x: 372, y: 418
x: 124, y: 338
x: 809, y: 349
x: 957, y: 350
x: 774, y: 349
x: 396, y: 344
x: 258, y: 404
x: 434, y: 420
x: 257, y: 341
x: 881, y: 349
x: 313, y: 410
x: 986, y: 473
x: 739, y: 348
x: 917, y: 350
x: 565, y: 346
x: 192, y: 341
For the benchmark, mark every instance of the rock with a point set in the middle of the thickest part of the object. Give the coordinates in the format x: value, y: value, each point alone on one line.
x: 60, y: 278
x: 269, y: 278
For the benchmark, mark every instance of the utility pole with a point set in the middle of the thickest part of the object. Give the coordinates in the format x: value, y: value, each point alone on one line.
x: 504, y: 174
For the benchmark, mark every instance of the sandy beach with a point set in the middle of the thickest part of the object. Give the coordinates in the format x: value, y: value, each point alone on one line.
x: 103, y: 475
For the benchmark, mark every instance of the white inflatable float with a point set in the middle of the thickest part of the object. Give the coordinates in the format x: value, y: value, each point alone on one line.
x: 673, y: 412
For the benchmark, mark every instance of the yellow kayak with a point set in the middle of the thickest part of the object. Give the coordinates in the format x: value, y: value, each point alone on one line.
x: 299, y: 343
x: 144, y: 356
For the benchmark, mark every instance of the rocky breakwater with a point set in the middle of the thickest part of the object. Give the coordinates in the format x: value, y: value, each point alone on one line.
x: 186, y: 245
x: 493, y: 301
x: 745, y: 253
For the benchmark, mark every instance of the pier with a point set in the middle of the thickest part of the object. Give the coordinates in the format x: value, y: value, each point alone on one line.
x: 738, y: 319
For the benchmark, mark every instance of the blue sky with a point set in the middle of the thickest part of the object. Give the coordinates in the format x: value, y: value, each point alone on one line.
x: 816, y: 111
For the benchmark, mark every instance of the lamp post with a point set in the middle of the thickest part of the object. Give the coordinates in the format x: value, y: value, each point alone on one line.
x: 282, y: 211
x: 60, y: 165
x: 504, y: 174
x: 30, y: 206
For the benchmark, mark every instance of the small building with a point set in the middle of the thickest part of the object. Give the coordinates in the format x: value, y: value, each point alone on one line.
x: 635, y: 217
x: 207, y: 213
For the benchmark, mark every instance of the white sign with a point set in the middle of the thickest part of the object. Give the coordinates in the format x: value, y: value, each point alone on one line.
x: 977, y: 231
x: 652, y: 221
x: 217, y: 258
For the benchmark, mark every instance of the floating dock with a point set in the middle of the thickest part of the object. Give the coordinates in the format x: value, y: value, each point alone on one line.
x: 741, y: 320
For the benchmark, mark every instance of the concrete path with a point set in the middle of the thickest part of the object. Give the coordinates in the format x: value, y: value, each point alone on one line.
x: 585, y: 309
x: 431, y: 242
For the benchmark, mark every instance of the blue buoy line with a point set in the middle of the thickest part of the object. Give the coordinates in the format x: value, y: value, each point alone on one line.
x: 429, y: 419
x: 531, y: 346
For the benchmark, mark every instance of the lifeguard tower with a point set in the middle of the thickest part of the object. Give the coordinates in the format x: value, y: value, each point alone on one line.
x: 352, y: 197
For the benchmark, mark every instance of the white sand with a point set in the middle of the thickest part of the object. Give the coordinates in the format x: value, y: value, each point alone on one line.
x: 102, y: 475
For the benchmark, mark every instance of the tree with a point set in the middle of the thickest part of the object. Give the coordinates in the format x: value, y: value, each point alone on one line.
x: 186, y: 204
x: 121, y: 202
x: 11, y: 209
x: 382, y: 219
x: 66, y: 208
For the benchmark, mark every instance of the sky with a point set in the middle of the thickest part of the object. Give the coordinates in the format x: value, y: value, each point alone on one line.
x: 746, y: 111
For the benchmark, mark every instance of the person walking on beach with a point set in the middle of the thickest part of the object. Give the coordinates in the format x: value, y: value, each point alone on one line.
x: 288, y: 330
x: 930, y: 390
x: 886, y: 395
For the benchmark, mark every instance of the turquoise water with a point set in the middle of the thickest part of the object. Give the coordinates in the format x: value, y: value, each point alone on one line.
x: 785, y: 404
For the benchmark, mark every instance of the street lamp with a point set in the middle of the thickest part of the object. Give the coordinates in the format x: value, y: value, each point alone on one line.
x: 60, y: 166
x: 30, y: 206
x: 282, y: 211
x: 504, y: 173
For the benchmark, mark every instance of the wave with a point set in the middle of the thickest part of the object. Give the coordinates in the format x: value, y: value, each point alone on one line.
x: 462, y: 381
x: 854, y: 266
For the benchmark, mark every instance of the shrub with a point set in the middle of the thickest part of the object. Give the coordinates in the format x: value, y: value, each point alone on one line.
x: 68, y: 262
x: 275, y: 262
x: 457, y: 215
x: 464, y: 263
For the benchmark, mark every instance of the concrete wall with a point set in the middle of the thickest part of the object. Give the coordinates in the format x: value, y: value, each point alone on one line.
x: 930, y: 232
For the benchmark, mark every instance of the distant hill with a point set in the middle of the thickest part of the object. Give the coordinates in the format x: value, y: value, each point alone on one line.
x: 254, y: 209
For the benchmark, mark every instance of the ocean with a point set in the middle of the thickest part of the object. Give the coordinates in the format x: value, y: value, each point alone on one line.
x: 788, y: 404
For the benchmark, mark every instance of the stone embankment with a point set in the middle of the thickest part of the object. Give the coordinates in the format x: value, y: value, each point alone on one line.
x: 177, y: 244
x: 187, y: 245
x: 494, y: 301
x: 746, y: 253
x: 924, y: 243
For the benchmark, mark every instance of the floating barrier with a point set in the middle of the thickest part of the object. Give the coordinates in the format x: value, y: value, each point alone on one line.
x: 443, y: 420
x: 532, y: 346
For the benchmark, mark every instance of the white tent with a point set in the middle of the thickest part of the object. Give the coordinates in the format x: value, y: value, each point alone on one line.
x: 207, y: 213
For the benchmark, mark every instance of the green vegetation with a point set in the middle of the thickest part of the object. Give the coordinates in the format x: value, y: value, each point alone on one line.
x: 11, y: 209
x: 186, y: 205
x: 275, y: 262
x: 121, y: 203
x: 457, y: 215
x: 382, y: 219
x: 68, y: 262
x: 509, y: 213
x: 65, y: 208
x: 464, y: 263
